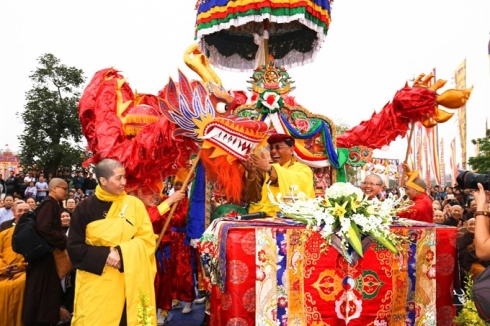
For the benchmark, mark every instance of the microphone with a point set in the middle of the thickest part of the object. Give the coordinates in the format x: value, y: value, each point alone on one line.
x: 251, y: 216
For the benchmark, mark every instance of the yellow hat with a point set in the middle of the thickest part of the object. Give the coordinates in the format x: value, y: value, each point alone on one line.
x: 416, y: 183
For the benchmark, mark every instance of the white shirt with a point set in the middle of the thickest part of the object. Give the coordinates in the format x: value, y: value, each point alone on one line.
x: 6, y: 214
x: 41, y: 185
x: 29, y: 179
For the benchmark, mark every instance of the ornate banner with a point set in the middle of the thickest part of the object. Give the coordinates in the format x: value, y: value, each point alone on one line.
x: 432, y: 136
x: 426, y: 169
x: 418, y: 146
x: 442, y: 167
x: 452, y: 162
x: 460, y: 78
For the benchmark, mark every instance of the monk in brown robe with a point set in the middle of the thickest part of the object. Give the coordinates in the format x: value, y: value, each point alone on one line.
x: 42, y: 298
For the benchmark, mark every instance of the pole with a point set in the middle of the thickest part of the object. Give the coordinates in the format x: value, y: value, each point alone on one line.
x: 266, y: 43
x: 410, y: 136
x: 174, y: 206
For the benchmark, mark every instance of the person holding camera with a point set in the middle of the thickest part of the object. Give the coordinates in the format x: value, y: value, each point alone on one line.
x: 482, y: 225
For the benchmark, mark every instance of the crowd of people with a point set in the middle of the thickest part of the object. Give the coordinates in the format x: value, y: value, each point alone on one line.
x: 442, y: 205
x: 34, y: 184
x: 38, y: 297
x: 110, y: 237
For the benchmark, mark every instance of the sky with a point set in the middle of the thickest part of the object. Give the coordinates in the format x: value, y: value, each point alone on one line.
x: 372, y: 49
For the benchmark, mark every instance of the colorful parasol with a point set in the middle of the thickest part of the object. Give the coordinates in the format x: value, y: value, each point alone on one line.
x: 240, y: 34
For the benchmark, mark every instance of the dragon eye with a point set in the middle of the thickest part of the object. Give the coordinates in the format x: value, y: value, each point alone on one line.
x: 221, y: 107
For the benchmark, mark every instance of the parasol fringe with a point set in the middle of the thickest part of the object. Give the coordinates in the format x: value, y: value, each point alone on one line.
x: 235, y: 63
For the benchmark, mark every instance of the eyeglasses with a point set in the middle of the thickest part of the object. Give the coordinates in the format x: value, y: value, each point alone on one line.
x: 370, y: 183
x: 276, y: 147
x: 64, y: 188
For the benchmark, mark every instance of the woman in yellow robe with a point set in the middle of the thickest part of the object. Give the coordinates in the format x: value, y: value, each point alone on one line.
x: 112, y: 245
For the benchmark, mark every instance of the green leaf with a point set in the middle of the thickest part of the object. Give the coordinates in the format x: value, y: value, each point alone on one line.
x: 385, y: 243
x: 354, y: 238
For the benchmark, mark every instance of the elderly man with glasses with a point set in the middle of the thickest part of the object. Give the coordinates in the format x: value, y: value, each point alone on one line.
x: 372, y: 186
x: 280, y: 170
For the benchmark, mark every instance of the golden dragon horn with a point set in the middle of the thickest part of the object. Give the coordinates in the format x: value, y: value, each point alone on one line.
x: 438, y: 84
x: 441, y: 116
x: 454, y: 98
x: 198, y: 62
x: 428, y: 79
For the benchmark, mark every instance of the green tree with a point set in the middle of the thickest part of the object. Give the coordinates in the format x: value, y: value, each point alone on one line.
x: 481, y: 163
x: 52, y: 135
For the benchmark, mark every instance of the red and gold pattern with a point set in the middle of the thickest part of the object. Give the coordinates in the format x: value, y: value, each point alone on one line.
x: 321, y: 288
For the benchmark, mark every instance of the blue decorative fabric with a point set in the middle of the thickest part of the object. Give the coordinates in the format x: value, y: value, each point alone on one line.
x: 327, y: 138
x: 411, y: 266
x: 197, y: 205
x: 281, y: 269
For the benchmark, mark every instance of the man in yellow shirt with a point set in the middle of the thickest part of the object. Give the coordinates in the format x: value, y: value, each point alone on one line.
x: 281, y: 171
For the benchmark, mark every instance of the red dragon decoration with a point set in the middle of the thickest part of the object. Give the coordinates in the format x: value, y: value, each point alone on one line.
x: 129, y: 127
x: 155, y: 135
x: 140, y: 130
x: 410, y: 104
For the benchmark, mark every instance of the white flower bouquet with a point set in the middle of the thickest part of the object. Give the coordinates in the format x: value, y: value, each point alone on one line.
x: 347, y: 213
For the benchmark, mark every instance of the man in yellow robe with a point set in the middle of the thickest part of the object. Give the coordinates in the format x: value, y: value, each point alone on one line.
x: 12, y: 273
x: 285, y: 174
x: 112, y: 245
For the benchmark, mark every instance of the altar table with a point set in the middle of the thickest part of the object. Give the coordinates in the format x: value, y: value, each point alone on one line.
x: 266, y: 273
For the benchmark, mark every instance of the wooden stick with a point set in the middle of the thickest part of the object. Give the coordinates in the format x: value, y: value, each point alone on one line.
x: 174, y: 206
x: 410, y: 136
x: 266, y: 44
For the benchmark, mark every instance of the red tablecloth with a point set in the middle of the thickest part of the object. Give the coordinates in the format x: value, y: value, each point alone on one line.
x: 286, y: 275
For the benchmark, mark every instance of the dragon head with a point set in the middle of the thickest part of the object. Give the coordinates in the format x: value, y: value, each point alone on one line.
x: 421, y: 102
x: 224, y: 140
